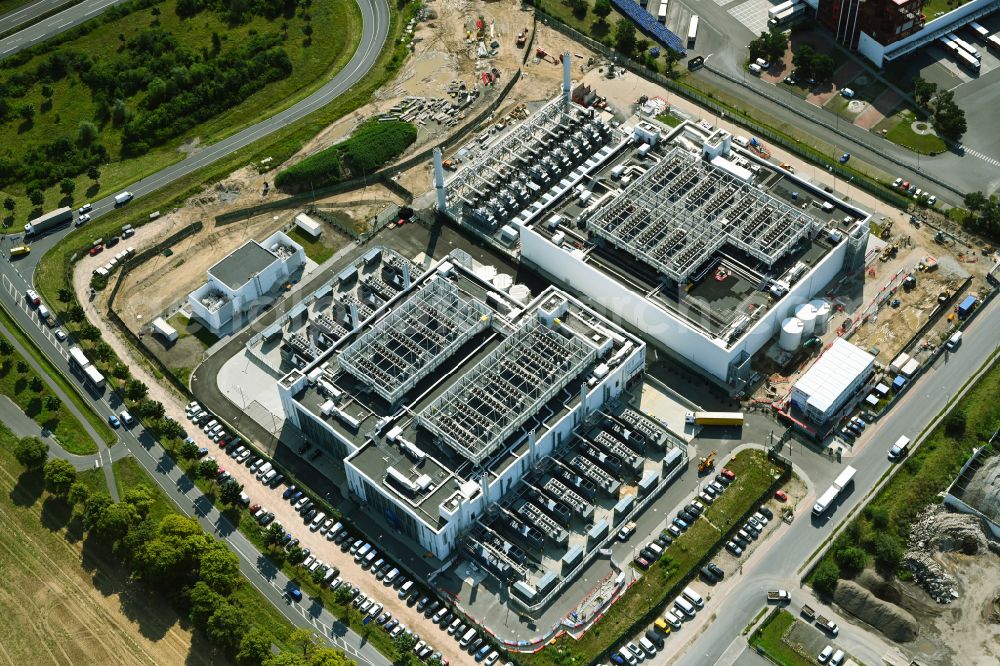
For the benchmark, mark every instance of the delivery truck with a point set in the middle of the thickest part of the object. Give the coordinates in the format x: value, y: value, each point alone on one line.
x: 48, y: 221
x: 714, y: 418
x: 834, y: 491
x: 123, y: 198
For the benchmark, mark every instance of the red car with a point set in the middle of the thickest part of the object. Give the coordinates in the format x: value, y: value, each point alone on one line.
x: 642, y: 562
x: 97, y: 249
x: 728, y: 473
x: 254, y: 508
x: 780, y: 495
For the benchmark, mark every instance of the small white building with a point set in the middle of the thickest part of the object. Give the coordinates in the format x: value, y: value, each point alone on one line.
x: 163, y: 329
x: 308, y: 225
x: 827, y: 386
x: 243, y: 279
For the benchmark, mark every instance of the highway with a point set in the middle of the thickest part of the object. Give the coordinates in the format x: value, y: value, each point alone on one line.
x: 17, y: 276
x: 53, y: 25
x: 776, y: 563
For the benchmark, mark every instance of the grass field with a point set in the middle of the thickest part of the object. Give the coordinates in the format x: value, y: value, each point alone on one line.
x: 900, y: 131
x: 318, y: 249
x: 64, y: 601
x: 21, y: 388
x: 335, y: 26
x: 95, y: 421
x: 926, y: 472
x: 754, y: 476
x: 768, y: 638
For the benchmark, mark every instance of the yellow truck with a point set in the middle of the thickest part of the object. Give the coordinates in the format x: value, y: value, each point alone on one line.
x: 714, y: 418
x: 20, y: 250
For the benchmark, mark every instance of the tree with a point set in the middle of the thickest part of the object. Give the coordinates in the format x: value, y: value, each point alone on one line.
x: 27, y: 112
x: 204, y: 602
x: 86, y: 134
x: 888, y: 552
x: 6, y: 349
x: 219, y: 568
x: 9, y: 204
x: 31, y: 452
x: 302, y: 639
x: 135, y: 389
x: 116, y: 520
x: 227, y: 626
x: 625, y: 36
x: 47, y: 91
x: 65, y: 295
x: 825, y: 577
x: 230, y: 492
x: 79, y: 493
x: 255, y: 648
x: 296, y: 555
x: 404, y: 643
x: 851, y: 559
x: 770, y: 46
x: 208, y: 469
x: 141, y: 497
x: 93, y: 173
x: 285, y: 659
x: 879, y: 517
x: 578, y: 7
x: 803, y: 60
x: 189, y: 450
x: 59, y: 477
x: 52, y: 402
x: 949, y: 119
x: 954, y: 422
x: 274, y: 534
x: 923, y: 91
x: 328, y: 656
x: 150, y: 408
x: 37, y: 384
x: 216, y: 44
x: 36, y: 197
x: 823, y: 67
x: 602, y: 9
x: 94, y: 509
x: 343, y: 595
x: 170, y: 429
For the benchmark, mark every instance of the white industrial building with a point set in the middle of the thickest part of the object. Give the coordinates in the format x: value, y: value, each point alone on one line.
x: 832, y: 381
x: 243, y: 280
x: 440, y: 407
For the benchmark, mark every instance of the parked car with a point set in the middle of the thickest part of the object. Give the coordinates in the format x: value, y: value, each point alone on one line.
x: 844, y: 158
x: 767, y: 513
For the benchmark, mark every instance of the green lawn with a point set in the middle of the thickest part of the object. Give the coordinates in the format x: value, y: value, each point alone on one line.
x: 69, y: 389
x: 7, y: 6
x: 647, y: 598
x: 768, y: 638
x: 935, y: 8
x: 899, y: 129
x: 928, y: 471
x: 669, y: 119
x: 19, y: 382
x: 318, y: 249
x: 335, y: 25
x: 93, y: 479
x: 187, y: 326
x: 587, y: 24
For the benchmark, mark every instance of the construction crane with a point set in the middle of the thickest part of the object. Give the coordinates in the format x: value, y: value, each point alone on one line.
x: 542, y: 55
x: 707, y: 463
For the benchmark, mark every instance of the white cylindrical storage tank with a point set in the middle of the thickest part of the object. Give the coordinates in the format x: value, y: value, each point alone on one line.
x: 503, y: 281
x: 485, y: 272
x: 791, y: 334
x: 807, y: 315
x: 823, y: 309
x: 520, y: 293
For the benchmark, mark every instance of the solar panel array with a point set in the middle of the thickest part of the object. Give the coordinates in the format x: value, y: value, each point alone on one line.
x: 649, y: 25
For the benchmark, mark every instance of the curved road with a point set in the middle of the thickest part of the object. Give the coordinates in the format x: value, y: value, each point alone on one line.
x: 17, y: 276
x: 53, y: 25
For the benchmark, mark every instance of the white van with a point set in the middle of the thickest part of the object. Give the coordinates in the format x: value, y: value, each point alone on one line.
x: 264, y: 469
x: 127, y: 419
x: 360, y: 555
x: 656, y: 548
x: 954, y: 341
x: 317, y: 521
x: 693, y: 597
x: 647, y: 646
x: 754, y: 68
x: 467, y: 638
x: 682, y: 604
x: 405, y: 590
x: 900, y: 448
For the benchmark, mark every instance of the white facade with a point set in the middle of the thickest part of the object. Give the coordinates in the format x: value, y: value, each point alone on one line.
x: 659, y: 324
x: 832, y: 380
x: 245, y: 277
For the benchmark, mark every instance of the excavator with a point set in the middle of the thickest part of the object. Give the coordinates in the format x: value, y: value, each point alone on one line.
x: 707, y: 463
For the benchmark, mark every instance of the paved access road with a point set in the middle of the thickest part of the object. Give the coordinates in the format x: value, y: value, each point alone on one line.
x: 776, y: 564
x: 53, y: 25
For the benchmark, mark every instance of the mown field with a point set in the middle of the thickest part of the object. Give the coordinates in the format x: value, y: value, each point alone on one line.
x: 64, y: 601
x: 126, y: 94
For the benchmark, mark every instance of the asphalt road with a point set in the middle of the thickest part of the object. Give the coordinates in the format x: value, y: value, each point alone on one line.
x: 16, y: 276
x: 53, y: 25
x: 776, y: 564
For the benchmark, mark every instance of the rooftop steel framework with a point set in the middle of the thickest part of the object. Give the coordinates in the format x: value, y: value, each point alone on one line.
x: 476, y: 414
x: 683, y: 209
x: 413, y: 340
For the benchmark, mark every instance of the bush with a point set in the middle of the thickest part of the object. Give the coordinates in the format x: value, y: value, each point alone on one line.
x: 825, y: 577
x: 372, y: 145
x: 851, y: 559
x: 888, y: 552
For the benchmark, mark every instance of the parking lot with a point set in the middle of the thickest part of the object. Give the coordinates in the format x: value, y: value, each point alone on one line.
x: 330, y: 554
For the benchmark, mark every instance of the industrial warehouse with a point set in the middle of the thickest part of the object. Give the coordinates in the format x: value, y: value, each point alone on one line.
x: 698, y: 244
x: 470, y: 422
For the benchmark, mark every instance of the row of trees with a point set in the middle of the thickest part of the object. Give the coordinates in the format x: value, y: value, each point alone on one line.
x: 174, y: 557
x: 810, y: 64
x: 984, y: 214
x: 872, y: 540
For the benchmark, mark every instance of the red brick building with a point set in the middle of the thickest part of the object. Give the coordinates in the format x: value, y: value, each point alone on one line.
x: 886, y: 21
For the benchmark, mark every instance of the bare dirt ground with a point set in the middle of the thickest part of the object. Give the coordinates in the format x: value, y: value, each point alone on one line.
x: 57, y: 611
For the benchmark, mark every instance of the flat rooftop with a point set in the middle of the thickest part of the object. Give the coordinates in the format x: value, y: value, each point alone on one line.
x: 239, y: 267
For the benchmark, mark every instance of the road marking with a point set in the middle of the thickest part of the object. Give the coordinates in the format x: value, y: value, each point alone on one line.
x: 975, y: 153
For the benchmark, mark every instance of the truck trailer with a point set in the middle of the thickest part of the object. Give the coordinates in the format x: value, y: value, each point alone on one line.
x: 714, y: 418
x: 833, y: 492
x: 48, y: 221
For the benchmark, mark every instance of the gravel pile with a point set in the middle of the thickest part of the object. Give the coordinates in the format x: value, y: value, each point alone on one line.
x: 890, y: 619
x: 938, y: 530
